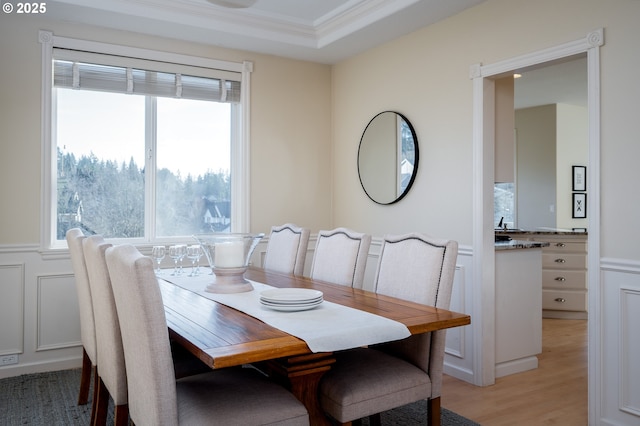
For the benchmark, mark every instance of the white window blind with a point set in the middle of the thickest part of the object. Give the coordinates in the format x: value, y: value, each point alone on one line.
x: 92, y: 71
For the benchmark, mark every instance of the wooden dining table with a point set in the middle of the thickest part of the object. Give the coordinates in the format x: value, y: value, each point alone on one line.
x: 223, y: 337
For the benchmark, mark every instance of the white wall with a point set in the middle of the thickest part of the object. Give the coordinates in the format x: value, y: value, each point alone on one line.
x: 572, y: 150
x: 290, y: 176
x: 536, y: 167
x: 429, y: 70
x: 550, y: 140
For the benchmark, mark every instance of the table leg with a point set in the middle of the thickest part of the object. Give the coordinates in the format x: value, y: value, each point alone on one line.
x: 302, y: 374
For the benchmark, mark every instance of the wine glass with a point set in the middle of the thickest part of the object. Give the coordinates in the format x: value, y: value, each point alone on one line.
x: 194, y: 253
x: 158, y: 253
x: 177, y: 252
x: 183, y: 254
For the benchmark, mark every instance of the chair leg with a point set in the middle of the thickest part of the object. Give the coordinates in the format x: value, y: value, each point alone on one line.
x: 102, y: 404
x: 121, y: 415
x: 94, y: 402
x: 433, y: 415
x: 85, y: 379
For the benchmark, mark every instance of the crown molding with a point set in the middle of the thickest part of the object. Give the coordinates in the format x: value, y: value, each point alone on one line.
x: 312, y: 33
x: 354, y: 16
x: 338, y: 23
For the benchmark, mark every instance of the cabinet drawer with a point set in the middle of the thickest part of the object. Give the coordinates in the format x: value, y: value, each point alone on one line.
x: 562, y: 279
x: 565, y: 246
x: 564, y: 261
x: 564, y: 300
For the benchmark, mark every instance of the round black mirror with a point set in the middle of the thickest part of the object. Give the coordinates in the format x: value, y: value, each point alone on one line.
x: 388, y: 157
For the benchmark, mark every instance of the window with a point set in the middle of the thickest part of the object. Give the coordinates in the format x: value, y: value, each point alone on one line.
x: 143, y: 146
x: 504, y: 204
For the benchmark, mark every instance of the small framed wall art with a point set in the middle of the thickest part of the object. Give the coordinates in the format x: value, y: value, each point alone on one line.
x: 579, y: 205
x: 579, y: 178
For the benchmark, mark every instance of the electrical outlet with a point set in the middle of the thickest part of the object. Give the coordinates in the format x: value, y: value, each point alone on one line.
x: 8, y: 359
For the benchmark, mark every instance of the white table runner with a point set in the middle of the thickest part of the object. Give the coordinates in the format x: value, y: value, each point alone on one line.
x: 327, y: 328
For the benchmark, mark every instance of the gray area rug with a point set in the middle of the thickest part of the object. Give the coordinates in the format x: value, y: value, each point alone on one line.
x: 51, y: 399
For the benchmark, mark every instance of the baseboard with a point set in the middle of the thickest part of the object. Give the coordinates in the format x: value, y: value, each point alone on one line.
x: 458, y: 372
x: 40, y: 367
x: 516, y: 366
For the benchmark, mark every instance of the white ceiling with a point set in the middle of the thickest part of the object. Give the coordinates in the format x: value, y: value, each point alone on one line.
x: 562, y: 82
x: 324, y: 31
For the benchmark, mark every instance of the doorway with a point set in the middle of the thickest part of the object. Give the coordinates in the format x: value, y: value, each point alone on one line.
x: 483, y: 228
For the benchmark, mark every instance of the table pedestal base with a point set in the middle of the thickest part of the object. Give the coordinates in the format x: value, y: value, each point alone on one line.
x: 302, y: 374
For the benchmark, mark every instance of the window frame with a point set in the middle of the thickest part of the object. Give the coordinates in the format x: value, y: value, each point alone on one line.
x: 240, y: 137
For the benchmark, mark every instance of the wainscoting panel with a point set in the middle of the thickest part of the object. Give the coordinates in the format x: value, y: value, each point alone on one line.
x: 58, y: 313
x: 620, y: 370
x: 630, y: 351
x: 11, y: 309
x: 455, y: 337
x: 459, y: 357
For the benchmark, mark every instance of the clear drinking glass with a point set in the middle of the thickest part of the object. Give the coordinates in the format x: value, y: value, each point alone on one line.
x: 158, y: 253
x: 177, y: 253
x: 183, y: 253
x: 193, y: 253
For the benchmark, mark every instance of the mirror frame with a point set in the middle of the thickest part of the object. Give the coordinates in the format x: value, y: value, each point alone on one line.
x: 415, y: 164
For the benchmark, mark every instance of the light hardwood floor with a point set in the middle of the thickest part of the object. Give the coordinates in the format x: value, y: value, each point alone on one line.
x: 553, y: 394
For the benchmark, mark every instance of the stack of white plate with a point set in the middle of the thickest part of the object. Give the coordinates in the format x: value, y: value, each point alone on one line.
x: 291, y: 299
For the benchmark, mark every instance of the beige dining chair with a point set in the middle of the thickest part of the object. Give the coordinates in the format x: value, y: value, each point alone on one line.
x: 74, y: 238
x: 367, y: 381
x: 112, y: 378
x: 239, y: 396
x: 340, y: 257
x: 287, y: 249
x: 111, y: 371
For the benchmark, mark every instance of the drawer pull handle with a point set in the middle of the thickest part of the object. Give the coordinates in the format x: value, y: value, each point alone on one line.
x: 560, y: 300
x: 560, y: 279
x: 560, y: 245
x: 560, y: 261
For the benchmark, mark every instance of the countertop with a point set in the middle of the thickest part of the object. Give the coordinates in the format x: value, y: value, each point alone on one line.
x: 541, y: 231
x: 519, y: 244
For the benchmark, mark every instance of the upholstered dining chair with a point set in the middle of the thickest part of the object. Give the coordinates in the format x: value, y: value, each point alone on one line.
x: 74, y: 238
x: 287, y: 249
x: 366, y: 381
x: 226, y: 396
x: 340, y: 257
x: 112, y: 379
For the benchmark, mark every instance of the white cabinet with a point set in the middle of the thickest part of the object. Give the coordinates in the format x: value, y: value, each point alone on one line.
x: 564, y: 276
x: 518, y: 305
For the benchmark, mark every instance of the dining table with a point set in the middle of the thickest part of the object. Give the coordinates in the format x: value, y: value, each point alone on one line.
x: 224, y: 337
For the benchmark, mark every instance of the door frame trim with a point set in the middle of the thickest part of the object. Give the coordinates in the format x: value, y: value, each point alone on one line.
x: 483, y: 77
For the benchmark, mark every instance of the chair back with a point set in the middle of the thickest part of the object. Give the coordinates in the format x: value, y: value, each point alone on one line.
x: 145, y: 338
x: 87, y: 322
x: 287, y: 249
x: 340, y: 257
x: 419, y: 268
x: 111, y: 367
